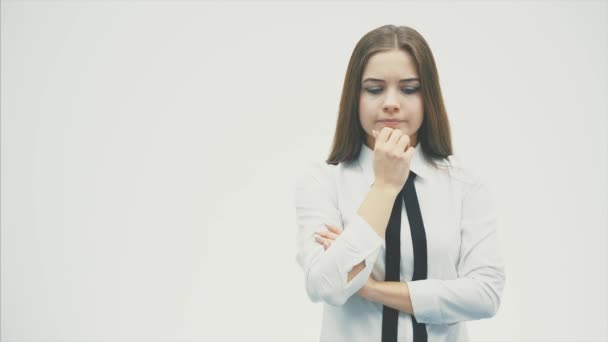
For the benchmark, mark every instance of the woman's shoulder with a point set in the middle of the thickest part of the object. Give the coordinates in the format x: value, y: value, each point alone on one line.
x: 459, y: 170
x: 473, y: 181
x: 317, y: 180
x: 316, y: 171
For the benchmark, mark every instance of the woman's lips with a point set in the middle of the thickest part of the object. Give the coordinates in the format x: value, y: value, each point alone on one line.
x: 391, y: 123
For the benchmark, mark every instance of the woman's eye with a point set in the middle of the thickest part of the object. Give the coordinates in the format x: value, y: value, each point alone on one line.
x: 407, y: 90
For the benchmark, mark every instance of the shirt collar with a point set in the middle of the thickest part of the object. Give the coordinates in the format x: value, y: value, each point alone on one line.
x: 419, y: 165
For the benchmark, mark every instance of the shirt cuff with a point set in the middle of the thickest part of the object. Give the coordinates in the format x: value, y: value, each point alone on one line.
x: 425, y: 303
x: 358, y: 242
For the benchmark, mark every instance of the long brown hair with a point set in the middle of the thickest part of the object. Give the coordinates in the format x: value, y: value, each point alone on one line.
x: 434, y: 134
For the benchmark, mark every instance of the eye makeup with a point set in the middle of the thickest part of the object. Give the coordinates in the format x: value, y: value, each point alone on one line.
x: 405, y: 90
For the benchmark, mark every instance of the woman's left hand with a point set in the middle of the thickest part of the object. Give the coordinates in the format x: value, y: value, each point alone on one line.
x: 326, y: 238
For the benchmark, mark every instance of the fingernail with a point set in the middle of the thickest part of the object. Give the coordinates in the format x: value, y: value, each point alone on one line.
x: 374, y: 132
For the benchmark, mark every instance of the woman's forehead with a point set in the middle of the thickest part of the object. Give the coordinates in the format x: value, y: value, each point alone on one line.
x: 391, y: 66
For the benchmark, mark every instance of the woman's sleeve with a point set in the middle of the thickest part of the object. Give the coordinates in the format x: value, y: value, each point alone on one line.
x: 325, y: 271
x: 477, y: 291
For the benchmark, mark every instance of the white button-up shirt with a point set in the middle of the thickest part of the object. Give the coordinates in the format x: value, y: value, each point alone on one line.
x: 466, y: 273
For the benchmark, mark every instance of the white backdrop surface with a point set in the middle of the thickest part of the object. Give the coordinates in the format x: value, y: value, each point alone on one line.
x: 149, y: 149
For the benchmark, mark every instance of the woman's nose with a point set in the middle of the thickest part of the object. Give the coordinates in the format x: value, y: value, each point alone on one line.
x: 391, y: 108
x: 391, y: 103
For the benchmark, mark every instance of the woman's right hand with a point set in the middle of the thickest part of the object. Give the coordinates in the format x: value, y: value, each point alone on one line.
x: 392, y: 156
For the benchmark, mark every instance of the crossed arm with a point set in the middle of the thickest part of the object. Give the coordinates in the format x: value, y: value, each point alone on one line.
x: 345, y: 269
x: 375, y: 209
x: 393, y: 294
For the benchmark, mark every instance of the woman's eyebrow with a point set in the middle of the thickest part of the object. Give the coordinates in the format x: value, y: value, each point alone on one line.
x: 370, y: 79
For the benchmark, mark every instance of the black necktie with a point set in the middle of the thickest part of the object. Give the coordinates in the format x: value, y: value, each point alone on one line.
x: 390, y: 316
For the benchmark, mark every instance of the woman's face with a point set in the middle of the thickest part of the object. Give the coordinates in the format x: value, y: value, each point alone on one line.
x: 390, y: 90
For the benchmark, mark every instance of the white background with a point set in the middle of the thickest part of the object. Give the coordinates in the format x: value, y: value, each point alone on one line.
x: 149, y: 150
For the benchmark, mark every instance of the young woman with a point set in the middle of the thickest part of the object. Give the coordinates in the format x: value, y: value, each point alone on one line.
x: 396, y: 237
